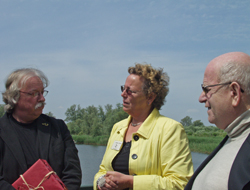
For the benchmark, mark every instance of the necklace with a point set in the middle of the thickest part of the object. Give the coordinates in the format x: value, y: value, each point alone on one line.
x: 135, y: 124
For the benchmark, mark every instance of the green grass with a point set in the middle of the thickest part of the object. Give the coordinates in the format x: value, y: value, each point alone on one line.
x: 204, y: 144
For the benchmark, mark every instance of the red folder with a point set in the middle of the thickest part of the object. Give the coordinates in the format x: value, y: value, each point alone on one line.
x: 39, y: 176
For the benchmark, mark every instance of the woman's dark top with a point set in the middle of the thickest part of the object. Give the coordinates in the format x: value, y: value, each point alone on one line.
x: 121, y: 161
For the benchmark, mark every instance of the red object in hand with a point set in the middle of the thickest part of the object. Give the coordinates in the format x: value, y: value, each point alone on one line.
x: 40, y: 176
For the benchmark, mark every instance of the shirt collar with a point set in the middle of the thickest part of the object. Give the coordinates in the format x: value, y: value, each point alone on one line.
x: 238, y: 126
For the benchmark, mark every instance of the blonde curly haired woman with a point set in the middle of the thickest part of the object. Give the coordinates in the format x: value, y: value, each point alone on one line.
x: 146, y: 150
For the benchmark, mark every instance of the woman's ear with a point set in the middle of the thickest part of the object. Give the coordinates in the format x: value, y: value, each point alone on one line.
x: 151, y: 98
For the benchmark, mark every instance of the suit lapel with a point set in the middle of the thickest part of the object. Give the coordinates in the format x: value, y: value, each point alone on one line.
x: 239, y: 174
x: 10, y: 137
x: 43, y: 133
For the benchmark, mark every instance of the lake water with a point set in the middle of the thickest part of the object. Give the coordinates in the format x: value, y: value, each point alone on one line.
x: 91, y: 157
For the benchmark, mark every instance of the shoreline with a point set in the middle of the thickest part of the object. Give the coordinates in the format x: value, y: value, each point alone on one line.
x: 204, y: 145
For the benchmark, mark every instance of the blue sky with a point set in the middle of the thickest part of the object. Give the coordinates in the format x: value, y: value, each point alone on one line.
x: 86, y: 46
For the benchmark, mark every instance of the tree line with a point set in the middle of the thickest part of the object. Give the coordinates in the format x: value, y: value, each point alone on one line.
x: 93, y: 121
x: 198, y: 129
x: 98, y: 121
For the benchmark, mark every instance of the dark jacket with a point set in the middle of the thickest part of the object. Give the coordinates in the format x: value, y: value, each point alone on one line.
x: 239, y: 177
x: 55, y: 145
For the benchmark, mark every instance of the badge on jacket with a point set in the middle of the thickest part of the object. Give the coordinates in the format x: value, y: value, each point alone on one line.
x: 116, y: 145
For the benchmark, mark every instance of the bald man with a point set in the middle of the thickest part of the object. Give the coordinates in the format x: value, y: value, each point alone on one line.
x: 226, y: 95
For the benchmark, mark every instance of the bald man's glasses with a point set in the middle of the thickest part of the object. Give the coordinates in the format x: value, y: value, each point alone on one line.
x: 206, y: 88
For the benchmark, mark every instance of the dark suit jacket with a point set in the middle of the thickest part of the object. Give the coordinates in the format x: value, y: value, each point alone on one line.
x: 239, y: 177
x: 55, y: 145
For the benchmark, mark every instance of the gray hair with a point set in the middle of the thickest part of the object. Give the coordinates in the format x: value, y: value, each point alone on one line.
x: 16, y: 81
x: 238, y: 72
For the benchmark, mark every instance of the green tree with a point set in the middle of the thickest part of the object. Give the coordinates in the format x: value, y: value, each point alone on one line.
x: 73, y: 128
x: 90, y: 119
x: 79, y: 126
x: 186, y: 121
x: 2, y: 112
x: 101, y: 113
x: 113, y: 116
x: 93, y: 120
x: 50, y: 114
x: 198, y: 123
x: 73, y: 113
x: 108, y: 109
x: 96, y: 129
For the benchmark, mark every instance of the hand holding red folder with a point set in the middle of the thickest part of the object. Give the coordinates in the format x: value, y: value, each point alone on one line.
x: 40, y: 176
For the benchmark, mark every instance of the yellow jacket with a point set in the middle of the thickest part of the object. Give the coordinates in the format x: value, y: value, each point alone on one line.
x: 159, y: 159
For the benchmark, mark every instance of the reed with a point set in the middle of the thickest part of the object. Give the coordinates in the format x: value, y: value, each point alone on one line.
x: 204, y: 144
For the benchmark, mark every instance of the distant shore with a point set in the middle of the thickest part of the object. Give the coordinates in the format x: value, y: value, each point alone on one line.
x: 204, y: 144
x: 197, y: 144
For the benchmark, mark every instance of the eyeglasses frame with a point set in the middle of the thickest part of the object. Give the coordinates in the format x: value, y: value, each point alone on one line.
x: 205, y: 90
x: 128, y: 91
x: 36, y: 94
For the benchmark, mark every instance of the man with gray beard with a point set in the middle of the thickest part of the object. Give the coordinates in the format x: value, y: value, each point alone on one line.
x: 27, y: 135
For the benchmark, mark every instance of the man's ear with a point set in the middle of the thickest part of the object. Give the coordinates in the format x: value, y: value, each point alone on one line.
x: 235, y: 93
x: 151, y: 98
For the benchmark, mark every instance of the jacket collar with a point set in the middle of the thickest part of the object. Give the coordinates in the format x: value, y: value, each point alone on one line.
x: 146, y: 127
x: 10, y: 137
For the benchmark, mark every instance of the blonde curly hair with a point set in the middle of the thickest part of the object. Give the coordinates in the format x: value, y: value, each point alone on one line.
x: 156, y: 81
